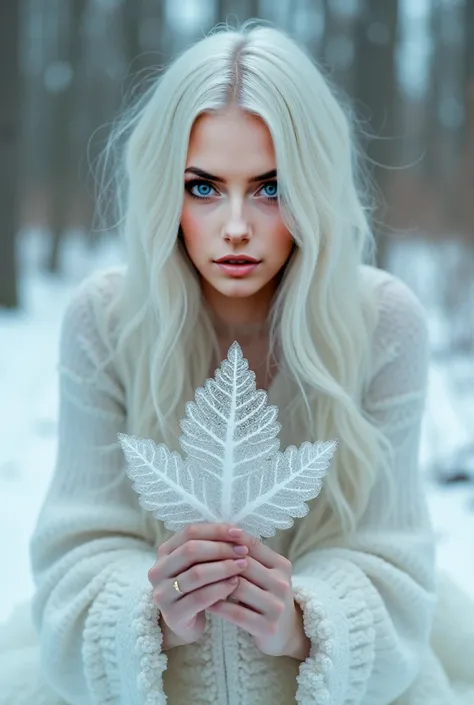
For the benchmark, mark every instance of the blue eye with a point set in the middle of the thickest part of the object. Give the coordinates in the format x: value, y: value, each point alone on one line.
x: 199, y: 189
x: 271, y: 190
x: 204, y: 189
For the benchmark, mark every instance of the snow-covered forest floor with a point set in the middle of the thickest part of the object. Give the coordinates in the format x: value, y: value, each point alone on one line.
x: 28, y: 411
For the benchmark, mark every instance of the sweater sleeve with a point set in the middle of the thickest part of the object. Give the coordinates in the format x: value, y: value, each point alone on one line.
x: 99, y: 637
x: 368, y: 601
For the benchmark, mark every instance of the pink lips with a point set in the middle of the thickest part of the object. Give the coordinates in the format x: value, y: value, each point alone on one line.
x: 237, y: 265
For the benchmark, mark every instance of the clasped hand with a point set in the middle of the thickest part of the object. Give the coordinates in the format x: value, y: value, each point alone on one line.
x: 212, y: 562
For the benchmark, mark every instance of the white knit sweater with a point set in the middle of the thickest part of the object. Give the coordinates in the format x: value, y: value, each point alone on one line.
x: 368, y: 605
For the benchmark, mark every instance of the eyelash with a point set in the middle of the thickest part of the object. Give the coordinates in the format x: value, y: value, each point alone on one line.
x: 189, y: 185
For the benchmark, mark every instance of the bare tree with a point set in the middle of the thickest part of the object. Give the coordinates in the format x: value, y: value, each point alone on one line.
x: 240, y: 9
x: 375, y: 90
x: 9, y: 137
x: 468, y: 142
x: 338, y: 44
x: 432, y: 126
x: 63, y: 159
x: 132, y: 18
x: 469, y: 38
x: 445, y: 110
x: 156, y: 37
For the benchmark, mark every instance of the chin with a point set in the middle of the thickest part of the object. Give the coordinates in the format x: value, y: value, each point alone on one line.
x: 239, y: 290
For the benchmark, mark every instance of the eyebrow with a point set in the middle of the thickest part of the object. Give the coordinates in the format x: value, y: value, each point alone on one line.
x: 212, y: 177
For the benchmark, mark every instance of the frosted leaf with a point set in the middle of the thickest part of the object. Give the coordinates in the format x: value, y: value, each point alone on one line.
x: 233, y: 471
x: 229, y: 428
x: 265, y: 501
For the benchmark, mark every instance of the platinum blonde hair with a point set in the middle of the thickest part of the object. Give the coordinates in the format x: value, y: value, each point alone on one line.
x: 322, y: 317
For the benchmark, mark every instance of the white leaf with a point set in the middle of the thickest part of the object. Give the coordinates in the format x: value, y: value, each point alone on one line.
x: 230, y: 429
x: 233, y: 470
x: 165, y: 484
x: 268, y: 501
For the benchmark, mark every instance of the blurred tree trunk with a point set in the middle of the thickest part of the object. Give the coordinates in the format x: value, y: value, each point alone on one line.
x: 432, y: 130
x: 132, y: 18
x: 9, y: 140
x: 450, y: 111
x: 111, y: 57
x: 469, y: 41
x: 375, y: 88
x: 445, y: 114
x: 338, y: 49
x: 156, y: 39
x: 253, y: 8
x: 38, y: 51
x: 224, y: 8
x: 64, y: 164
x: 242, y: 9
x: 468, y: 142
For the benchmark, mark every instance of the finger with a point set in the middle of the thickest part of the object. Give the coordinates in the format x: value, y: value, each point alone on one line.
x: 261, y: 601
x: 190, y: 605
x: 198, y: 552
x: 203, y: 574
x: 204, y: 531
x: 248, y: 620
x: 274, y: 581
x: 266, y: 555
x: 191, y: 553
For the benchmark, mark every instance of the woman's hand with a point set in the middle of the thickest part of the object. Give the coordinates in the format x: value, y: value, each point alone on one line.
x: 265, y: 606
x: 205, y: 560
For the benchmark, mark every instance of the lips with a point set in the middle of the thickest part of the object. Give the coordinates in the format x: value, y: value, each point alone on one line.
x: 237, y: 259
x: 237, y: 266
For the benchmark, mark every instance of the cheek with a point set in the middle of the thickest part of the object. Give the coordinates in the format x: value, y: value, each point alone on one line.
x: 282, y: 240
x: 190, y: 221
x: 192, y: 227
x: 285, y: 247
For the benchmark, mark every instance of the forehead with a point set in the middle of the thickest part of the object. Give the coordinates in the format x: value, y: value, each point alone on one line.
x: 232, y: 140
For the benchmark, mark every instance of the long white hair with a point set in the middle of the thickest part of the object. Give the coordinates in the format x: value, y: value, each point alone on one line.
x: 322, y: 316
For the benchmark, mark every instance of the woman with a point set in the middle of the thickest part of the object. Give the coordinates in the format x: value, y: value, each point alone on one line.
x: 242, y: 222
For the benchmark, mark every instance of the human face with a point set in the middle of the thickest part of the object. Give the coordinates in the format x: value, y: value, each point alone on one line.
x: 231, y: 209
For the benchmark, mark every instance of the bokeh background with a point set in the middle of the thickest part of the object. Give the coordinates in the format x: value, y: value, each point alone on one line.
x: 405, y: 68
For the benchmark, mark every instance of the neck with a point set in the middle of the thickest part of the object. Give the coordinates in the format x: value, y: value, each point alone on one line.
x: 242, y: 330
x: 239, y: 318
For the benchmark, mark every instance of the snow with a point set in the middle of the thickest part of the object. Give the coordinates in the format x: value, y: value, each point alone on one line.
x: 28, y: 416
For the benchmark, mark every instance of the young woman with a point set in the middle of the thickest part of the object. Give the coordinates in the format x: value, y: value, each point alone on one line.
x: 242, y: 222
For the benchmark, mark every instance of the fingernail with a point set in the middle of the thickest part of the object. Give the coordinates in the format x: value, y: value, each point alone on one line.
x: 234, y: 581
x: 235, y: 533
x: 241, y: 562
x: 241, y: 550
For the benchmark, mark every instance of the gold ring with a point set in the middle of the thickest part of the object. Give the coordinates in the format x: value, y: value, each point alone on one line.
x: 177, y: 588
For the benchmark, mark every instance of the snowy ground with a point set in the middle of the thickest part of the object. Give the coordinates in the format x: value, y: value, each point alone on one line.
x: 28, y: 417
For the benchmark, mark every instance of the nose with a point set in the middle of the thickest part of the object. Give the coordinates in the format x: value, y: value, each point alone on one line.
x: 237, y: 232
x: 237, y: 228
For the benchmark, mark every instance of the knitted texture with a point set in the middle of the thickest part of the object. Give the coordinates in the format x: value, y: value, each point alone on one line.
x: 367, y: 603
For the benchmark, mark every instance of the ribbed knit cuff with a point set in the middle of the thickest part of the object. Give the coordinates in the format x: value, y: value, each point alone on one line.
x: 340, y: 627
x: 122, y: 653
